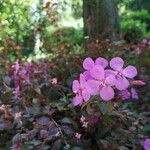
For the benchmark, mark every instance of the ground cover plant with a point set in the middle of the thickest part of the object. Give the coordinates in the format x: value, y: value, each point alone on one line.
x: 74, y: 75
x: 37, y: 104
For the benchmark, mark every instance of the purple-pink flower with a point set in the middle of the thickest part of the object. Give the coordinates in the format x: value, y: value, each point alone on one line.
x: 79, y: 88
x: 88, y: 64
x: 121, y: 73
x: 147, y: 144
x: 101, y: 84
x: 78, y: 136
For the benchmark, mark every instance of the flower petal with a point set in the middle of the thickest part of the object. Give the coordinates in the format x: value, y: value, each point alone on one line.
x: 122, y: 84
x: 111, y: 80
x: 88, y: 63
x: 92, y: 87
x: 75, y: 86
x: 107, y: 93
x: 109, y: 72
x: 147, y: 144
x: 86, y: 95
x: 87, y: 75
x: 130, y: 72
x: 101, y: 61
x: 117, y: 63
x: 97, y: 72
x: 77, y: 100
x: 82, y: 81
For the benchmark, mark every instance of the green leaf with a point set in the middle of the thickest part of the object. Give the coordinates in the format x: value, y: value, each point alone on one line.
x: 103, y: 107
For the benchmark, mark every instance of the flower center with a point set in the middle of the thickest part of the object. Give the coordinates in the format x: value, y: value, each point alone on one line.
x: 103, y: 83
x: 80, y: 91
x: 119, y: 74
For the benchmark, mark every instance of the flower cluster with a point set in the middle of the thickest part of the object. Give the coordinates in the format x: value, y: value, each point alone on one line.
x: 99, y: 79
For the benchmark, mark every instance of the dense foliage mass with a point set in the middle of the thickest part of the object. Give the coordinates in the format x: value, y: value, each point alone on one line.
x: 36, y: 101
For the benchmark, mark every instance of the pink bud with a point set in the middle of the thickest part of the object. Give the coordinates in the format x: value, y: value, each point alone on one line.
x: 138, y: 82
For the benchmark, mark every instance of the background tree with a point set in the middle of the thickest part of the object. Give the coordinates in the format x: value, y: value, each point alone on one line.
x: 100, y: 18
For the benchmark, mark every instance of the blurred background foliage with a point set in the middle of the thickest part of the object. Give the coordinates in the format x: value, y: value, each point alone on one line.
x: 27, y: 26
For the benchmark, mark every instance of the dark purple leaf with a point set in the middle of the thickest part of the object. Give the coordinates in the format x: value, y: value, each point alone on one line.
x: 17, y: 138
x: 43, y: 120
x: 44, y: 134
x: 32, y: 133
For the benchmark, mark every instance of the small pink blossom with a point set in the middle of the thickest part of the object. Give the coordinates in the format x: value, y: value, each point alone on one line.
x: 85, y: 124
x: 54, y: 81
x: 138, y: 82
x: 18, y: 115
x: 82, y: 119
x: 77, y: 136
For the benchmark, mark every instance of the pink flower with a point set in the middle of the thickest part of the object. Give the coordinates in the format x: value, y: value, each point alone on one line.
x: 121, y: 73
x: 80, y: 90
x: 77, y: 136
x: 99, y: 80
x: 101, y: 84
x: 85, y: 124
x: 147, y: 144
x: 82, y: 119
x: 88, y: 64
x: 18, y: 115
x: 138, y: 82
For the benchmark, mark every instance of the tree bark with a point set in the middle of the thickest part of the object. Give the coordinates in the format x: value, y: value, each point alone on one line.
x: 100, y: 18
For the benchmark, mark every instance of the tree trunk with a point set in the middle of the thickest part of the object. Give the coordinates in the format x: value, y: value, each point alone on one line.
x: 100, y: 18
